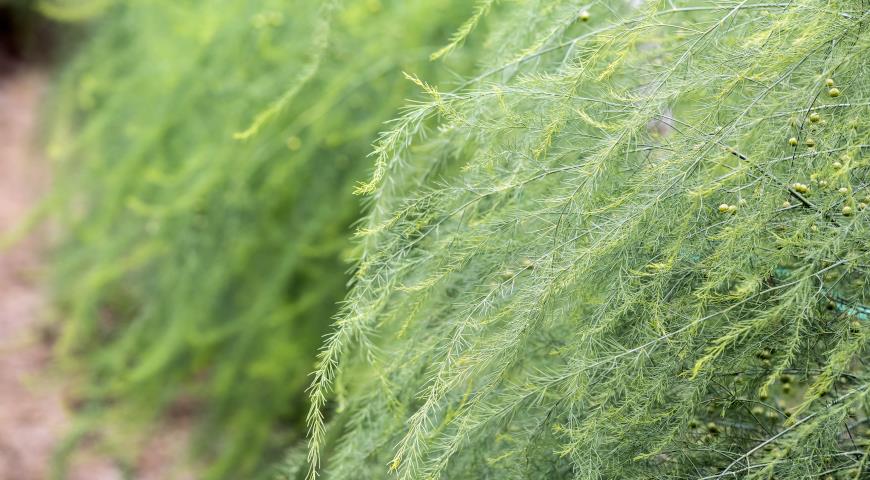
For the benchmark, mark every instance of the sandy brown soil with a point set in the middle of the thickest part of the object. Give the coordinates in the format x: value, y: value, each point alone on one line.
x: 33, y: 416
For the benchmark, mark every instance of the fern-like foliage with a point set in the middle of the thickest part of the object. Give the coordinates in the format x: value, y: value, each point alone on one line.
x: 634, y: 246
x: 206, y: 154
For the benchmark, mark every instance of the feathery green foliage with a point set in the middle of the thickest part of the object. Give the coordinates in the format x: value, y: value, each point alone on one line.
x: 605, y: 257
x: 206, y: 154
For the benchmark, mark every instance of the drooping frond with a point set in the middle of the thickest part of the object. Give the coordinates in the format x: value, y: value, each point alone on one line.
x: 635, y: 245
x: 206, y: 154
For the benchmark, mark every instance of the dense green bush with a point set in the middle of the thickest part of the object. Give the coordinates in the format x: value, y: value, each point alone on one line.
x: 206, y: 153
x: 634, y: 246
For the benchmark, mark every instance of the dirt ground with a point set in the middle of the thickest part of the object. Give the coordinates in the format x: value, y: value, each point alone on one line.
x: 33, y: 416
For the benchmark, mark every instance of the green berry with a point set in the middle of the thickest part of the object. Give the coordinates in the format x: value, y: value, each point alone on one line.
x: 815, y: 117
x: 834, y: 92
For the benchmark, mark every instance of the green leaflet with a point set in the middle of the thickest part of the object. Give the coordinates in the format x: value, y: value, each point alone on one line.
x: 549, y: 289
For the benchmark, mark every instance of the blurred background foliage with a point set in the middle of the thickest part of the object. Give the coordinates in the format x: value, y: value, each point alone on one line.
x: 205, y: 154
